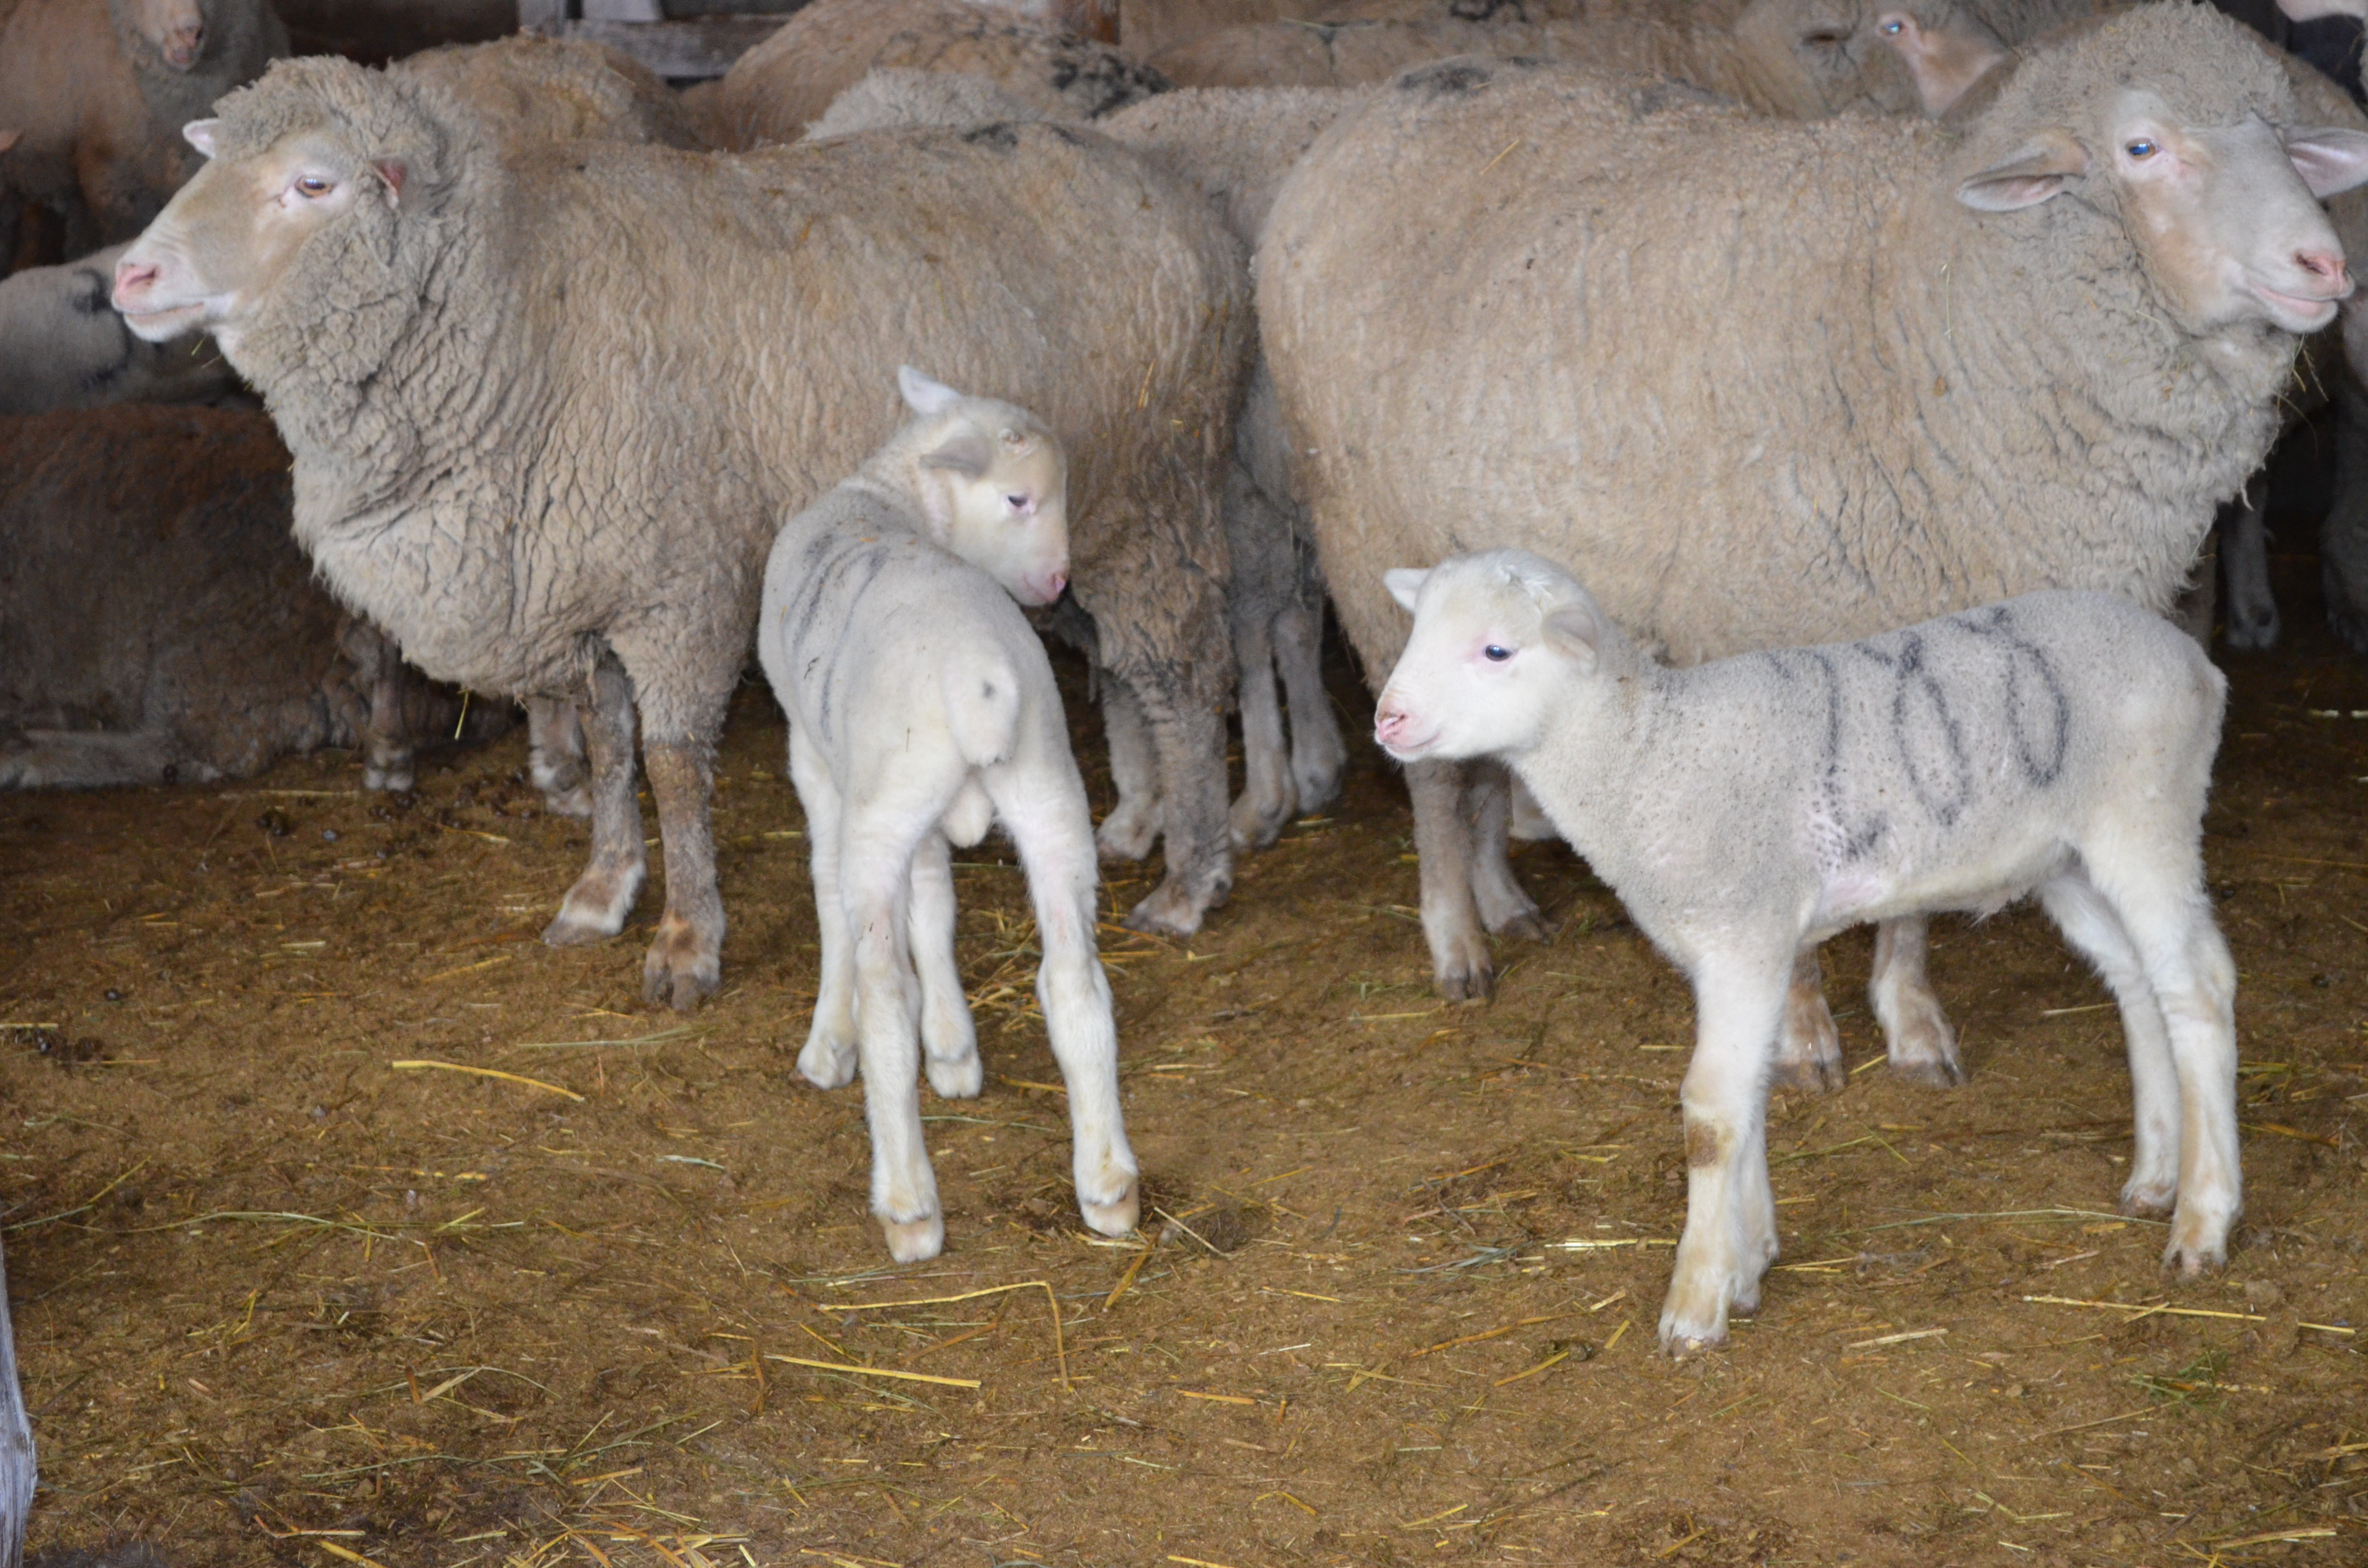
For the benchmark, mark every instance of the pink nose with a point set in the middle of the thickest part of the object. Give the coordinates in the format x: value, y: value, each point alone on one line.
x: 133, y: 278
x: 1390, y: 724
x: 185, y: 43
x: 2327, y: 266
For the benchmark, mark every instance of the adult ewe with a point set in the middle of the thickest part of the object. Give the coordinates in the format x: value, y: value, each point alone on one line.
x: 548, y: 405
x: 100, y: 92
x: 774, y: 90
x: 156, y: 622
x: 1762, y: 383
x: 1801, y: 59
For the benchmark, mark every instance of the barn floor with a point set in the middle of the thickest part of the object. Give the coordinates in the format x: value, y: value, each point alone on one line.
x: 285, y: 1295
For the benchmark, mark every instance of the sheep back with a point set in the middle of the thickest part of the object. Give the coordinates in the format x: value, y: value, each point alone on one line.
x: 1236, y: 146
x: 559, y: 90
x: 773, y: 91
x: 1756, y: 382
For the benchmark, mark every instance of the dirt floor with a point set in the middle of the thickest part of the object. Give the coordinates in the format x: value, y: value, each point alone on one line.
x: 349, y: 1224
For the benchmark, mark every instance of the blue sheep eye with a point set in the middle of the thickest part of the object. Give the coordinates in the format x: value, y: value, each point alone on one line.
x: 1496, y: 653
x: 2140, y: 149
x: 1888, y: 28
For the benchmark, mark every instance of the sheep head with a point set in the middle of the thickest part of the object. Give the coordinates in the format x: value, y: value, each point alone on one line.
x: 2172, y: 121
x: 175, y: 30
x: 1499, y: 639
x: 1809, y: 58
x: 308, y: 227
x: 994, y: 486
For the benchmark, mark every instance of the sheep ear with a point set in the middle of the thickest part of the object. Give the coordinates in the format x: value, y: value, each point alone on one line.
x: 965, y: 452
x: 199, y: 134
x: 923, y: 396
x: 2330, y: 159
x: 2035, y: 173
x: 394, y: 171
x: 1573, y: 627
x: 1405, y: 583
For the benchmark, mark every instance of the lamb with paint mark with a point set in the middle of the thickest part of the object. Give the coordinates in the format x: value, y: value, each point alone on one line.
x: 922, y: 709
x: 1747, y: 809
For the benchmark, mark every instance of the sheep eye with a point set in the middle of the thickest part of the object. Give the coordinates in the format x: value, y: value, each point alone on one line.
x: 1825, y: 38
x: 2141, y: 149
x: 1888, y: 26
x: 313, y: 186
x: 1496, y: 653
x: 1019, y: 503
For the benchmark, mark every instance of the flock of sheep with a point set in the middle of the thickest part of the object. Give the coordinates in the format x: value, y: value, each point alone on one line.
x: 1787, y: 423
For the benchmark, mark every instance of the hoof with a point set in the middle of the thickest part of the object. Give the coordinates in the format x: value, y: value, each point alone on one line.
x: 1468, y: 983
x: 1117, y: 1217
x: 575, y: 803
x: 1126, y: 834
x: 1254, y: 829
x: 2146, y: 1198
x: 1169, y: 911
x: 916, y: 1241
x: 1809, y: 1049
x: 1524, y: 926
x: 1815, y: 1076
x: 956, y: 1078
x: 574, y: 930
x: 1945, y: 1074
x: 683, y: 967
x: 396, y: 780
x: 827, y: 1064
x: 1681, y: 1340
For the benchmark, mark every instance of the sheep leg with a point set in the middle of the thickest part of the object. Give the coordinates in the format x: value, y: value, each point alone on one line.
x: 1267, y: 795
x: 1128, y: 833
x: 828, y: 1060
x: 1450, y: 917
x: 1317, y: 752
x: 555, y: 756
x: 385, y: 736
x: 1189, y: 740
x: 17, y: 1467
x: 875, y: 879
x: 1048, y: 820
x: 2168, y: 917
x: 1917, y: 1036
x: 1808, y: 1048
x: 2343, y: 538
x: 1730, y: 1234
x: 87, y: 759
x: 1504, y: 908
x: 596, y: 907
x: 948, y: 1039
x: 2243, y: 541
x: 686, y: 956
x: 2093, y: 928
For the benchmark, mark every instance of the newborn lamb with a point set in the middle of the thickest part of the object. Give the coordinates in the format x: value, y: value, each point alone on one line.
x: 1747, y: 809
x: 922, y: 708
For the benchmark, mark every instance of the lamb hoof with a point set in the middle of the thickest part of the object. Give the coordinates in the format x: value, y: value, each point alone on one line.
x: 916, y: 1241
x: 956, y: 1078
x: 1946, y: 1072
x: 1318, y: 786
x: 1809, y: 1047
x: 1252, y: 828
x: 1685, y: 1334
x: 1126, y: 834
x: 574, y: 802
x: 1169, y: 911
x: 1523, y: 925
x: 827, y: 1064
x: 1117, y: 1217
x: 683, y: 967
x: 1815, y: 1074
x: 2196, y: 1247
x: 571, y: 929
x: 2148, y: 1197
x: 394, y: 780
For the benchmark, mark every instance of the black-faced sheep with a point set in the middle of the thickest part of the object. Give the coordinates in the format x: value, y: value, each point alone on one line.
x: 547, y: 403
x: 1785, y: 382
x: 1743, y: 809
x: 921, y: 708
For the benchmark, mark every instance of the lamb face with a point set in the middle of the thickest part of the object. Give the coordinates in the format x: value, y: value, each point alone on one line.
x: 1809, y: 58
x: 223, y: 244
x: 1945, y: 49
x: 2221, y: 203
x: 1496, y: 641
x: 994, y: 487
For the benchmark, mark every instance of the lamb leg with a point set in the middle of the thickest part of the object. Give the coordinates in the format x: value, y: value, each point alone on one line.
x: 596, y: 907
x: 1451, y: 916
x: 1922, y: 1047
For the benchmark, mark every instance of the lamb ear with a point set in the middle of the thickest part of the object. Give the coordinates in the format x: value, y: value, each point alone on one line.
x: 966, y: 452
x: 2330, y: 159
x: 1573, y: 627
x: 2036, y: 172
x: 199, y: 134
x: 1405, y: 583
x: 923, y: 396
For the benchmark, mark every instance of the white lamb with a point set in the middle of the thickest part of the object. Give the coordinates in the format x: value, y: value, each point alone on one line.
x: 1745, y: 810
x: 921, y: 709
